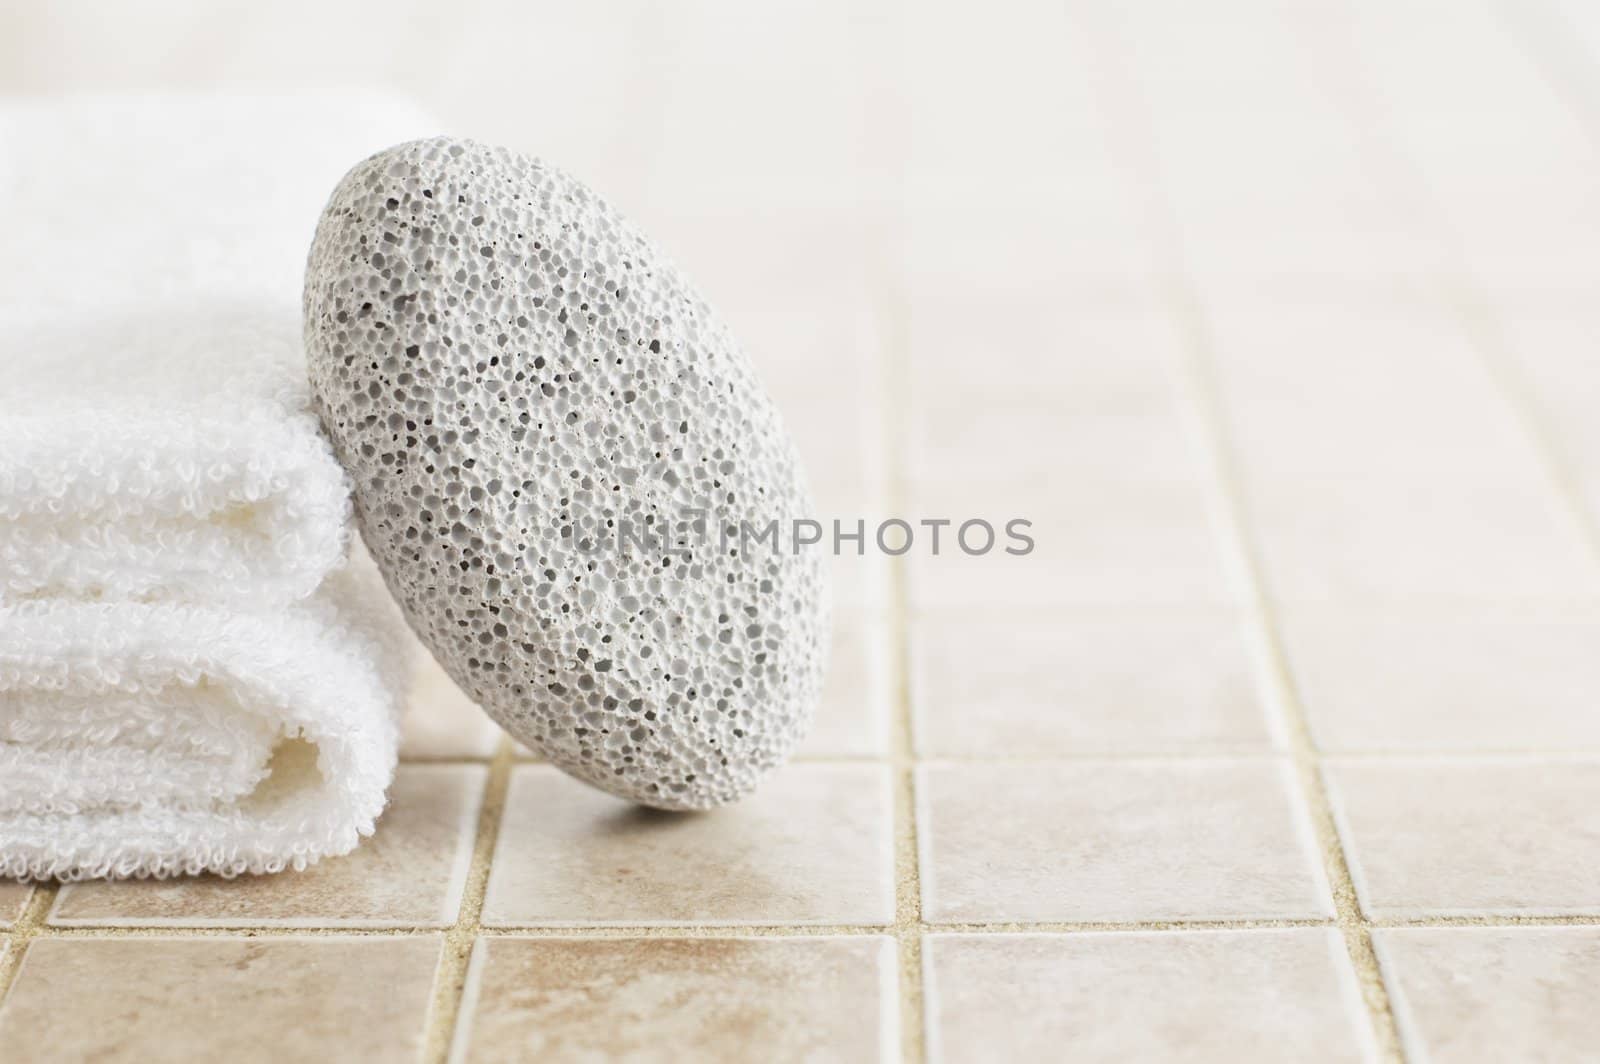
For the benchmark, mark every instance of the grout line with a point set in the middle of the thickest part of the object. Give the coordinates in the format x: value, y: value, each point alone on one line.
x: 1079, y: 927
x: 687, y: 930
x: 1196, y: 378
x: 240, y: 930
x: 26, y: 928
x: 1158, y: 755
x: 1201, y: 386
x: 908, y: 925
x: 1502, y: 920
x: 1464, y: 293
x: 1264, y: 753
x: 903, y: 756
x: 891, y: 311
x: 1486, y: 333
x: 450, y: 979
x: 804, y: 931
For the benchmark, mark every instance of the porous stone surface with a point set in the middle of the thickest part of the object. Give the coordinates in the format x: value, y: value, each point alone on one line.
x: 550, y: 437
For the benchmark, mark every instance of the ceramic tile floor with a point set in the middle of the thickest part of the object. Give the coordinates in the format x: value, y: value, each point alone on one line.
x: 1276, y: 320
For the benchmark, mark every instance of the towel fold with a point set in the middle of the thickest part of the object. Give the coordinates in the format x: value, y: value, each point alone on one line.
x: 166, y: 454
x: 167, y: 738
x: 155, y: 439
x: 192, y: 677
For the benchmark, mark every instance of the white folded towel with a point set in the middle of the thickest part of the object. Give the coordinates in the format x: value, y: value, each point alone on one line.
x: 166, y: 455
x: 155, y: 440
x: 166, y: 738
x: 184, y: 687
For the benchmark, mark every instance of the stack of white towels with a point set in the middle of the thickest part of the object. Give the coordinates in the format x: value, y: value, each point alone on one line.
x: 192, y: 676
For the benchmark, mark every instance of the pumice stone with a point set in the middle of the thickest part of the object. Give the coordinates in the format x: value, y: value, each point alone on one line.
x: 567, y: 470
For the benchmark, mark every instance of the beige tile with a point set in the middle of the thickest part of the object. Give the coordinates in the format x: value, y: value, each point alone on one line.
x: 669, y: 999
x: 860, y: 579
x: 1493, y: 993
x: 950, y: 251
x: 1219, y: 257
x: 1485, y: 679
x: 973, y: 127
x: 1085, y: 683
x: 1587, y: 490
x: 1331, y: 385
x: 410, y: 873
x: 1092, y: 359
x: 751, y: 264
x: 775, y: 141
x: 1097, y: 539
x: 811, y: 846
x: 1317, y: 432
x: 326, y: 998
x: 13, y: 898
x: 853, y: 716
x: 1031, y: 437
x: 1360, y: 349
x: 1555, y: 349
x: 824, y: 374
x: 1361, y: 539
x: 839, y: 462
x: 1470, y: 836
x: 1135, y: 840
x: 1172, y: 995
x: 441, y: 722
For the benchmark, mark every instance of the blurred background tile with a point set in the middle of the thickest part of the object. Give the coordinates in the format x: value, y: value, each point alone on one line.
x: 1383, y: 539
x: 852, y: 717
x: 1068, y: 683
x: 1549, y: 340
x: 1490, y: 678
x: 1335, y: 385
x: 1097, y: 539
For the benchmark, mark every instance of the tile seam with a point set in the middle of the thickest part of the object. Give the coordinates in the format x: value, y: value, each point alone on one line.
x: 23, y: 931
x: 1466, y: 297
x: 908, y: 925
x: 1501, y: 921
x: 890, y: 310
x: 1195, y: 379
x: 1462, y: 290
x: 1302, y: 754
x: 450, y: 977
x: 1341, y: 753
x: 1487, y: 334
x: 1155, y: 755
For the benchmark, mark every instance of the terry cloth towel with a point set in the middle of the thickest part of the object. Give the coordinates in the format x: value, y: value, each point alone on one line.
x: 190, y: 678
x: 165, y: 455
x: 155, y: 439
x: 168, y: 738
